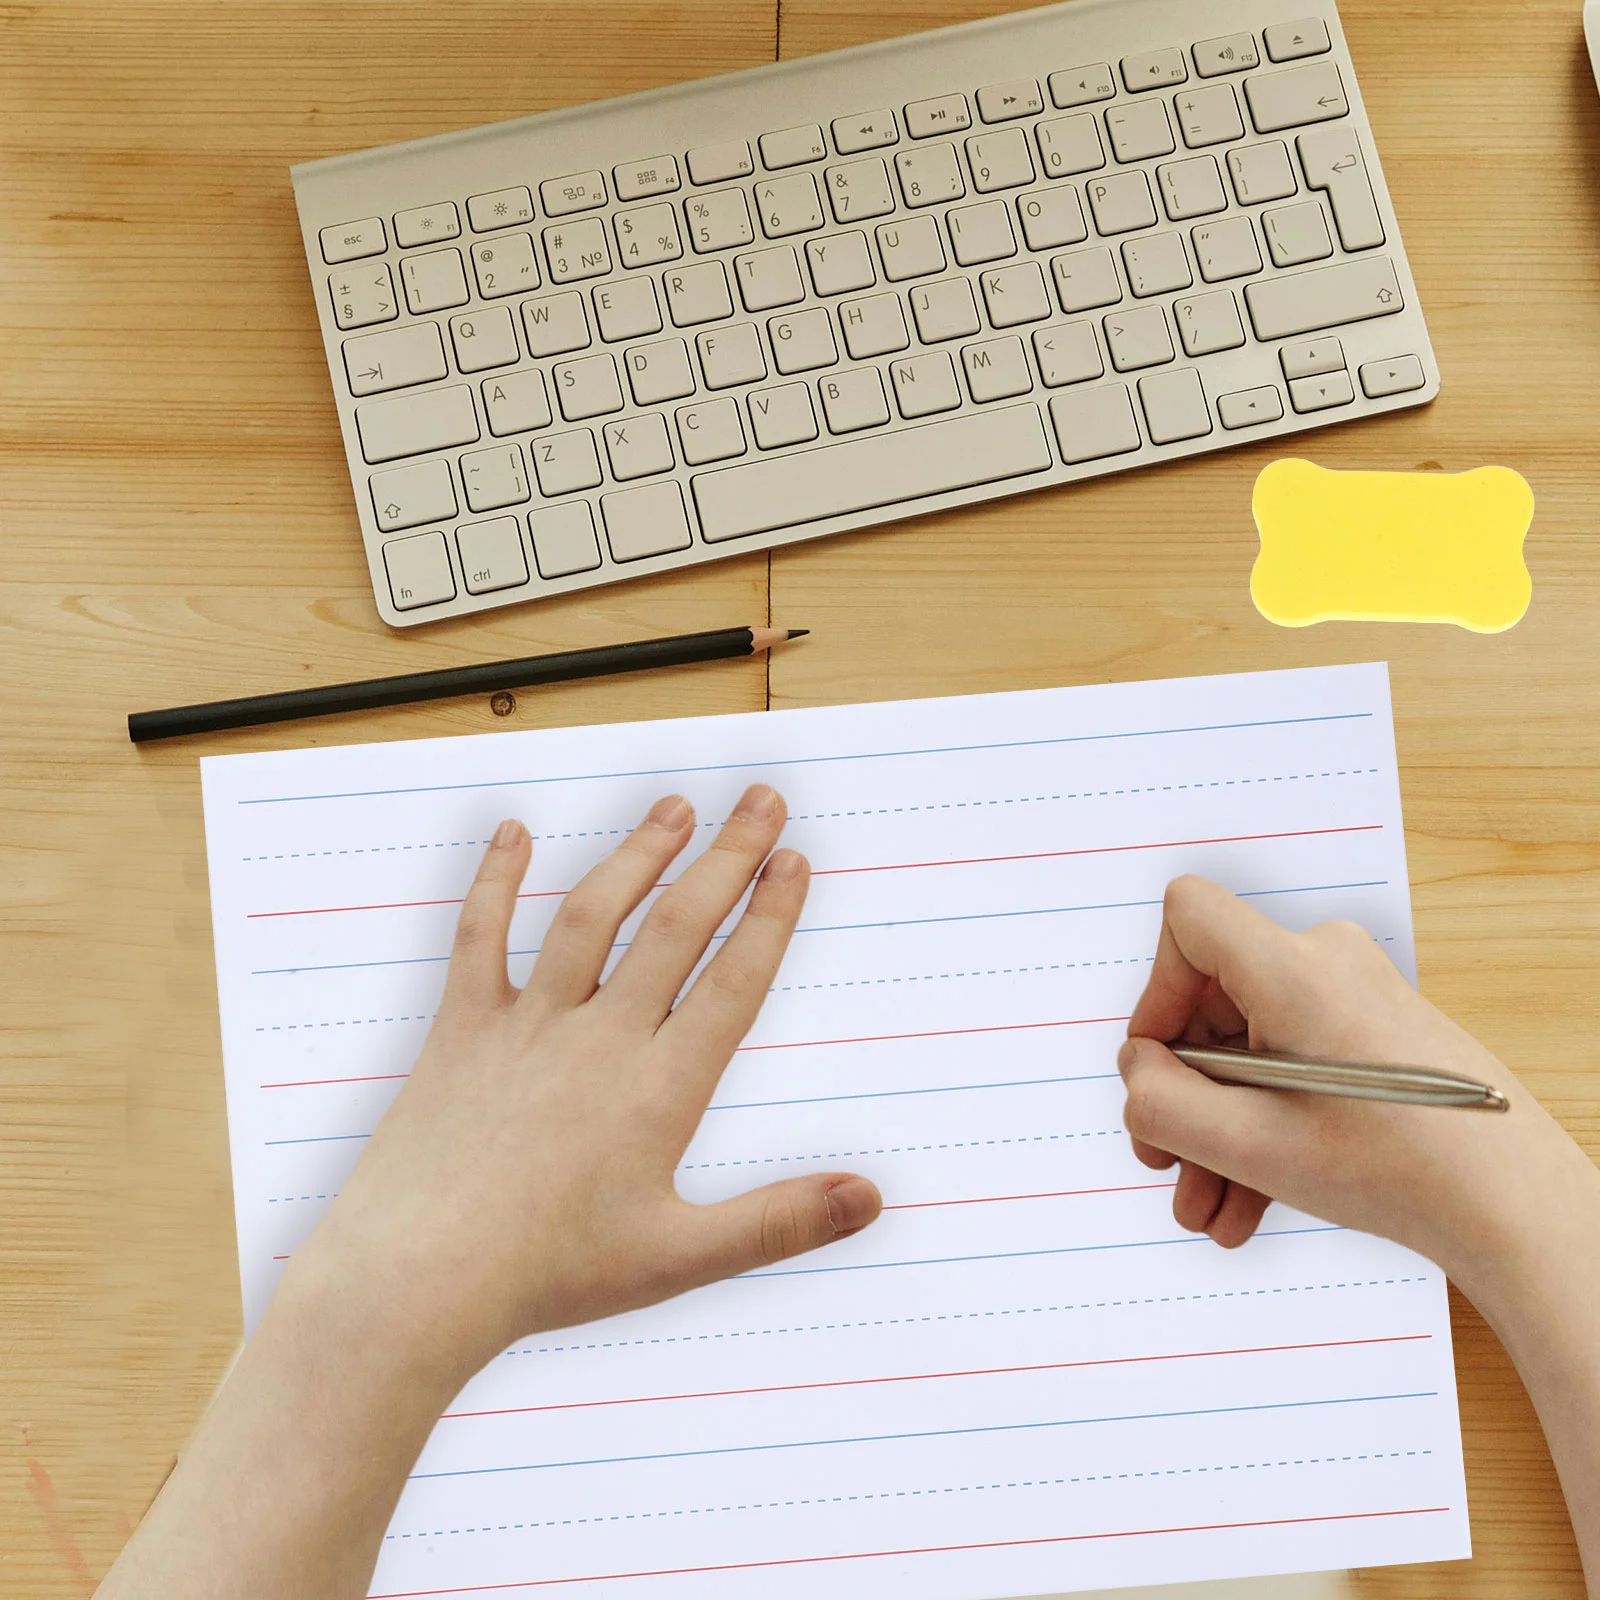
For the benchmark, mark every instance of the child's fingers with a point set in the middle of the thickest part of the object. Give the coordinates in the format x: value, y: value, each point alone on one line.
x: 585, y: 928
x: 1238, y: 1216
x: 1198, y: 1197
x: 477, y: 974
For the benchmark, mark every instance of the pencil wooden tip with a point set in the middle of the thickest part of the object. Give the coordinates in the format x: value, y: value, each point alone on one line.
x: 765, y: 638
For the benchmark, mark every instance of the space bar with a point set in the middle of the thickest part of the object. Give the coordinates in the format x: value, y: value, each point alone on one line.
x: 863, y: 474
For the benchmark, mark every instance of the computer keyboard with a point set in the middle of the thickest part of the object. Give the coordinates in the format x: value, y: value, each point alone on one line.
x: 654, y: 331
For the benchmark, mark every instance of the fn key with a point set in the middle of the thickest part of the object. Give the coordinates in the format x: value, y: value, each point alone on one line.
x: 419, y: 571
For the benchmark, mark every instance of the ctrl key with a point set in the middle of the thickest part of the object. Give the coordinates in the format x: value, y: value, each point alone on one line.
x: 419, y: 571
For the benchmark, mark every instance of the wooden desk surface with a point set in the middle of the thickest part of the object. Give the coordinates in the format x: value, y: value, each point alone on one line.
x: 175, y: 522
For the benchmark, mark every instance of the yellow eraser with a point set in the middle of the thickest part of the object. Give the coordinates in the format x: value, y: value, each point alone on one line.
x: 1391, y: 546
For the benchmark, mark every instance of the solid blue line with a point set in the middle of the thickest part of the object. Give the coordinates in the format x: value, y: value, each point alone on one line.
x: 804, y: 761
x: 891, y: 1094
x: 935, y: 1433
x: 321, y: 1138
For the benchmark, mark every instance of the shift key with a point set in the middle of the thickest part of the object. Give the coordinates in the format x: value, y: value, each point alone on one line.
x: 409, y: 424
x: 1303, y: 302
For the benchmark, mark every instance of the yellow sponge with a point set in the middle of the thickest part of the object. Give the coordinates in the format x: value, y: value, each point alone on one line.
x: 1391, y: 546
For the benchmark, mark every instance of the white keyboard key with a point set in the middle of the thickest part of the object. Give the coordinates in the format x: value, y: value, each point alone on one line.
x: 718, y: 221
x: 581, y: 191
x: 563, y: 539
x: 718, y: 163
x: 1288, y: 41
x: 1226, y: 249
x: 565, y: 462
x: 999, y: 160
x: 733, y: 355
x: 1157, y: 69
x: 946, y: 114
x: 840, y: 264
x: 1015, y: 295
x: 1395, y: 376
x: 1245, y: 408
x: 996, y: 370
x: 910, y: 249
x: 1332, y: 160
x: 411, y: 424
x: 871, y: 130
x: 1082, y: 86
x: 648, y: 236
x: 1068, y: 145
x: 875, y: 326
x: 506, y: 265
x: 1156, y: 264
x: 586, y: 387
x: 853, y: 400
x: 1094, y: 423
x: 789, y: 205
x: 925, y: 385
x: 1304, y: 302
x: 782, y: 416
x: 1139, y: 130
x: 1052, y: 217
x: 406, y: 496
x: 1311, y: 358
x: 944, y: 310
x: 859, y: 191
x: 1300, y: 95
x: 1138, y: 338
x: 769, y: 278
x: 349, y: 241
x: 1208, y: 323
x: 501, y: 208
x: 645, y: 522
x: 981, y: 233
x: 879, y: 470
x: 929, y: 175
x: 633, y: 180
x: 1191, y: 188
x: 660, y: 371
x: 710, y: 431
x: 419, y: 571
x: 639, y: 446
x: 697, y: 294
x: 362, y: 296
x: 555, y: 325
x: 434, y: 281
x: 1121, y: 202
x: 1067, y: 354
x: 491, y: 555
x: 494, y: 478
x: 1209, y: 116
x: 1235, y: 53
x: 1321, y: 393
x: 1262, y: 172
x: 1000, y: 102
x: 516, y: 402
x: 1296, y: 234
x: 1086, y: 279
x: 484, y: 338
x: 395, y: 359
x: 626, y: 310
x: 803, y: 341
x: 1174, y: 406
x: 577, y: 250
x: 427, y: 224
x: 792, y: 147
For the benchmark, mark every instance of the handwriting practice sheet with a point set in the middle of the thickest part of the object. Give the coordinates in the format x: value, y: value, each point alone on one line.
x: 1024, y: 1378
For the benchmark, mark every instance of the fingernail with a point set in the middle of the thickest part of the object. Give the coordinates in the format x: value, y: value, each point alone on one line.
x: 783, y: 866
x: 670, y: 811
x: 852, y: 1204
x: 1125, y: 1056
x: 508, y: 835
x: 757, y: 803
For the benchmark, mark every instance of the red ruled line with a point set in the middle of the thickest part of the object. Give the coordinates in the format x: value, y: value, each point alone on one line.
x: 917, y: 1550
x: 927, y: 1377
x: 1049, y: 1194
x: 932, y: 1033
x: 888, y: 866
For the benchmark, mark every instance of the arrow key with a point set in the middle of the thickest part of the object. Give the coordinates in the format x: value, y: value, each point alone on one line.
x: 1395, y: 376
x: 411, y: 495
x: 1318, y: 394
x: 394, y: 359
x: 1247, y: 408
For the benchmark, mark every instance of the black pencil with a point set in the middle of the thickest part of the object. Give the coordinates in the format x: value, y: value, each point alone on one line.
x: 487, y: 677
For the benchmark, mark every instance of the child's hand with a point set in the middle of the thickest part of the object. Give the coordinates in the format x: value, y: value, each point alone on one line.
x: 523, y: 1179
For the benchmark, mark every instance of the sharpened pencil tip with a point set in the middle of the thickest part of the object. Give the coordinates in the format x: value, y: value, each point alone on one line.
x: 798, y: 633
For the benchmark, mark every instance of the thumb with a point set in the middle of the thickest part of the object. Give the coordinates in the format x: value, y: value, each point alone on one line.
x: 782, y: 1220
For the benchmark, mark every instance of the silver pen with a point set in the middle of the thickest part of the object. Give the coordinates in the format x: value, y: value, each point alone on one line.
x: 1356, y: 1080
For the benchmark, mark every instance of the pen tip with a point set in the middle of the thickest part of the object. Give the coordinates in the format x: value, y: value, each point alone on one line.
x: 798, y: 633
x: 1494, y: 1100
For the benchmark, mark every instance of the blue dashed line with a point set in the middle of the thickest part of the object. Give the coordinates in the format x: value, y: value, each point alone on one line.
x: 976, y: 972
x: 914, y: 1494
x: 352, y: 1022
x: 905, y: 1149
